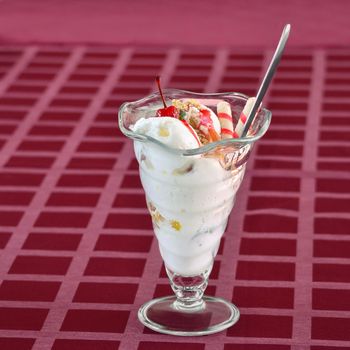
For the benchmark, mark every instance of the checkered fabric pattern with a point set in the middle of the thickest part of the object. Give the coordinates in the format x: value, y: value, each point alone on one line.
x: 77, y: 252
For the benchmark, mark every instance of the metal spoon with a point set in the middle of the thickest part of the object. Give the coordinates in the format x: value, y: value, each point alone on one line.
x: 267, y: 78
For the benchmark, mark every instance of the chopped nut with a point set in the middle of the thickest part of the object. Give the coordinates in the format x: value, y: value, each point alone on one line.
x: 194, y: 103
x: 151, y: 207
x: 185, y: 105
x: 164, y: 132
x: 184, y: 169
x: 175, y: 225
x: 156, y: 216
x: 147, y: 162
x: 202, y: 138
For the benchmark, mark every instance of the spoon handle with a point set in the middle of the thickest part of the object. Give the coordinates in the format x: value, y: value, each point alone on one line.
x: 267, y: 78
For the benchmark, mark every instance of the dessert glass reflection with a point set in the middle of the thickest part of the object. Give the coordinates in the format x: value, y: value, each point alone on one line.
x: 190, y: 186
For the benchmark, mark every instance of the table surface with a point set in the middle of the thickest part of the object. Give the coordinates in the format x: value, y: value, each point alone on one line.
x: 232, y: 23
x: 77, y: 252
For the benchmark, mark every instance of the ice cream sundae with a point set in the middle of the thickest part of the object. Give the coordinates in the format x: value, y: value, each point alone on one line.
x: 192, y: 158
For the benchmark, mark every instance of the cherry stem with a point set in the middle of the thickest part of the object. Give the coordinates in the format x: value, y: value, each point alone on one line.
x: 160, y: 91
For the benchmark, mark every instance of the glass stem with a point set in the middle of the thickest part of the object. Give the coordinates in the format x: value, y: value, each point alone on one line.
x: 189, y: 290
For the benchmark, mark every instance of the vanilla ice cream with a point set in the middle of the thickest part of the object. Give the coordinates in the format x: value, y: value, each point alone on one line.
x: 189, y: 197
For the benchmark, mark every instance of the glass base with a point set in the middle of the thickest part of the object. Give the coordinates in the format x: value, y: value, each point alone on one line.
x: 165, y: 316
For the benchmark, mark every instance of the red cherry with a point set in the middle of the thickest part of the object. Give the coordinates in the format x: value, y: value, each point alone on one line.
x: 170, y: 111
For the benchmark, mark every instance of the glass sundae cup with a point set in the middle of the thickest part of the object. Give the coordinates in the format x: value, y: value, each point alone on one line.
x: 190, y: 194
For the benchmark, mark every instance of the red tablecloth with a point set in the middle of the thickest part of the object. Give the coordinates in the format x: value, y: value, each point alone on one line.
x: 77, y: 253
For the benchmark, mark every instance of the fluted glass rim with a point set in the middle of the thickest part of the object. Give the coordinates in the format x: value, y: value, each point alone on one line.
x: 238, y: 142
